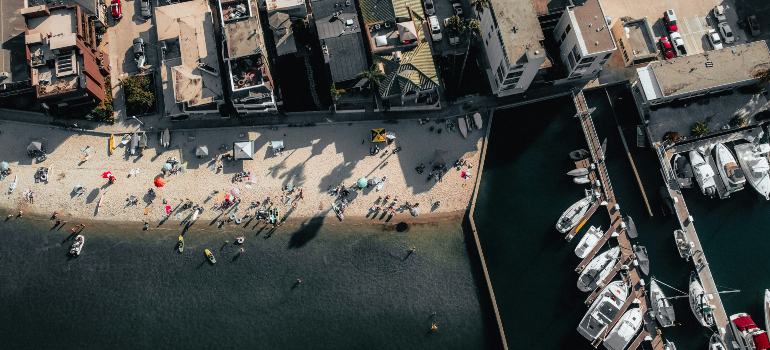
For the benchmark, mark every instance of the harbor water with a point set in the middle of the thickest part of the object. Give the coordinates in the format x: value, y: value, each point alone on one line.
x: 524, y: 190
x: 361, y: 287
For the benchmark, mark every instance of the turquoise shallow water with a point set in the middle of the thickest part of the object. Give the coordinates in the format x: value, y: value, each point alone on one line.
x: 361, y: 288
x: 524, y: 189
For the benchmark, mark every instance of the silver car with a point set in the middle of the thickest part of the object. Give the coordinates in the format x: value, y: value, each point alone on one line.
x: 429, y: 9
x: 727, y: 33
x: 145, y: 8
x: 139, y: 52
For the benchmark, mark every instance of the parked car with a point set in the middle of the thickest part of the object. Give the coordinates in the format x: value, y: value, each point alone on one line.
x: 435, y: 28
x: 666, y: 48
x: 753, y: 25
x: 714, y: 39
x: 719, y: 13
x: 671, y: 20
x: 727, y: 33
x: 145, y: 8
x: 458, y: 8
x: 678, y: 42
x: 117, y: 10
x: 429, y: 9
x: 139, y: 57
x: 454, y: 39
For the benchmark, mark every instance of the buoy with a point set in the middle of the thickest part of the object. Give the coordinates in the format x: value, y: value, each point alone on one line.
x: 690, y: 218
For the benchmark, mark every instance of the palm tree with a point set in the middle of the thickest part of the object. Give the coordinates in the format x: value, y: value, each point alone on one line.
x: 700, y: 129
x: 471, y: 30
x: 455, y: 25
x: 373, y: 74
x: 480, y: 5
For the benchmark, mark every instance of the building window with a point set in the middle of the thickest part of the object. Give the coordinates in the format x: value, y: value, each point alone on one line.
x: 500, y: 73
x: 583, y: 66
x: 605, y: 61
x: 508, y: 88
x: 571, y: 60
x: 566, y: 31
x: 576, y: 52
x: 588, y: 59
x: 514, y: 74
x: 607, y: 56
x: 518, y: 66
x: 511, y: 81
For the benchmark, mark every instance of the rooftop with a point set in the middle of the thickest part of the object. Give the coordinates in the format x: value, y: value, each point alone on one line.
x: 333, y: 18
x: 347, y: 56
x: 375, y: 11
x: 593, y: 27
x: 249, y: 71
x: 730, y: 65
x: 340, y: 33
x: 233, y: 10
x: 244, y: 37
x: 273, y: 5
x: 54, y: 72
x: 195, y: 77
x: 415, y: 71
x: 283, y: 35
x: 519, y: 28
x: 543, y: 7
x: 640, y: 37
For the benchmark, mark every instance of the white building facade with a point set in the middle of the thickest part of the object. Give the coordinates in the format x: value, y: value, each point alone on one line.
x: 585, y: 41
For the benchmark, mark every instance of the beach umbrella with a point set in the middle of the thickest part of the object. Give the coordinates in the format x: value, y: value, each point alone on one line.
x: 168, y: 210
x: 235, y: 192
x: 167, y: 166
x: 106, y: 175
x: 414, y: 211
x: 362, y: 182
x: 35, y: 145
x: 3, y: 166
x: 378, y: 135
x: 439, y: 157
x: 374, y: 181
x: 160, y: 182
x: 202, y: 150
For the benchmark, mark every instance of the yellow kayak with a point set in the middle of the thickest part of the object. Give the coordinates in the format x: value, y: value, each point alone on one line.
x: 580, y: 226
x: 112, y: 143
x: 211, y: 257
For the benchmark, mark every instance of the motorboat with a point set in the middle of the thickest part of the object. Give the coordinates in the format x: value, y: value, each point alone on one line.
x: 77, y: 246
x: 683, y: 171
x: 746, y: 333
x: 578, y: 172
x: 700, y: 302
x: 767, y: 309
x: 603, y: 310
x: 683, y: 245
x: 669, y: 345
x: 753, y: 161
x: 463, y: 127
x: 597, y: 270
x: 630, y: 227
x: 569, y: 219
x: 211, y: 257
x: 624, y: 330
x: 338, y: 210
x: 716, y: 342
x: 477, y: 120
x: 731, y: 173
x: 579, y: 154
x: 641, y: 255
x: 581, y: 180
x: 180, y: 245
x: 704, y: 174
x: 589, y: 241
x: 664, y: 311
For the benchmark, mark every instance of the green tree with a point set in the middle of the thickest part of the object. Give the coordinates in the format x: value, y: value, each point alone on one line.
x: 455, y: 25
x: 373, y: 74
x: 480, y: 5
x: 700, y: 129
x: 139, y: 98
x: 471, y: 29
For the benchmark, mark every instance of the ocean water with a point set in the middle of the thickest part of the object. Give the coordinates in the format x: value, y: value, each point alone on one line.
x: 524, y: 189
x: 360, y: 288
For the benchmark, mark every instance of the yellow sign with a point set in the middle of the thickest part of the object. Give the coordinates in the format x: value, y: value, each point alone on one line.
x: 378, y: 135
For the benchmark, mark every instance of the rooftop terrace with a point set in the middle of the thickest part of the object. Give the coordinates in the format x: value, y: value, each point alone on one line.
x: 593, y: 27
x: 233, y: 10
x: 519, y: 28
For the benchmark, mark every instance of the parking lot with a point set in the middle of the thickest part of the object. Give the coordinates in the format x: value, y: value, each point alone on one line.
x: 444, y: 10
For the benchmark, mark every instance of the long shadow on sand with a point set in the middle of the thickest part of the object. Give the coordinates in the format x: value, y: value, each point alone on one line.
x: 307, y: 231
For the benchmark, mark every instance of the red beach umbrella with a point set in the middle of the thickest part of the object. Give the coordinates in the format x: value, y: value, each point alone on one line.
x: 106, y: 175
x: 159, y: 182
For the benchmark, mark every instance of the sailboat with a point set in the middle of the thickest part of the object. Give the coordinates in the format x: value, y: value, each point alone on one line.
x: 641, y: 255
x: 664, y: 312
x: 753, y: 160
x: 699, y: 302
x: 603, y: 310
x: 624, y: 330
x: 732, y: 175
x: 597, y: 270
x: 704, y: 174
x: 569, y: 219
x: 767, y: 309
x: 588, y: 242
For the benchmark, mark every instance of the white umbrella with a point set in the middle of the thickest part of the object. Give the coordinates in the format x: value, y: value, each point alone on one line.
x: 235, y: 192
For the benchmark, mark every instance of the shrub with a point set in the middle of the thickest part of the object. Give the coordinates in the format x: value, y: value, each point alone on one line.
x: 700, y: 129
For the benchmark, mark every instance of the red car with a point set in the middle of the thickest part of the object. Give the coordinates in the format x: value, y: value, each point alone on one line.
x: 117, y: 11
x: 665, y: 46
x: 671, y: 20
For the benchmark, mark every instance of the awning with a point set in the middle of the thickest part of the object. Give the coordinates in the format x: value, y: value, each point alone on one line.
x: 378, y: 135
x: 439, y: 157
x: 744, y: 322
x: 761, y: 341
x: 202, y: 150
x: 243, y: 150
x: 406, y: 31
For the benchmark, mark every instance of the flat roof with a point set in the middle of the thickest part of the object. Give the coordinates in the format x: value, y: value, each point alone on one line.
x: 282, y: 4
x: 640, y: 37
x: 330, y: 26
x: 347, y: 57
x: 543, y: 7
x: 61, y: 22
x: 244, y: 37
x: 519, y: 28
x: 593, y: 27
x: 283, y: 35
x: 730, y: 65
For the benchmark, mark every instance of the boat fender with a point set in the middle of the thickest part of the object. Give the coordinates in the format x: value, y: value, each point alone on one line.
x: 615, y: 234
x: 690, y: 219
x: 623, y: 225
x: 598, y: 183
x: 617, y: 206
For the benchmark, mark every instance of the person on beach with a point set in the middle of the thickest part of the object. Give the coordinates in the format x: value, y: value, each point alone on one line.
x: 10, y: 216
x: 21, y: 213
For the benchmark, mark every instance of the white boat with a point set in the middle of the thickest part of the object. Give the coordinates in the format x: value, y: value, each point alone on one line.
x: 746, y: 333
x: 699, y: 302
x: 597, y: 270
x: 382, y: 182
x: 704, y: 174
x: 767, y: 310
x: 578, y: 172
x: 603, y: 310
x: 624, y: 330
x: 581, y: 180
x: 588, y: 242
x: 683, y: 171
x: 569, y: 219
x: 683, y: 245
x: 753, y: 161
x: 664, y: 312
x: 463, y: 127
x: 77, y: 246
x: 731, y: 173
x: 477, y: 120
x: 13, y: 184
x: 716, y: 342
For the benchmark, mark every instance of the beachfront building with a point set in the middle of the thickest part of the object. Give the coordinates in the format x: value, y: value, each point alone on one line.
x: 96, y: 9
x: 67, y: 70
x: 636, y: 41
x: 396, y: 38
x: 340, y: 35
x: 192, y: 86
x: 585, y: 40
x: 281, y: 14
x: 513, y: 45
x: 250, y: 81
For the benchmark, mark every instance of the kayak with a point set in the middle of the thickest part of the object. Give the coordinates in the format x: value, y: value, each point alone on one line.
x: 112, y: 143
x: 181, y: 244
x: 211, y: 257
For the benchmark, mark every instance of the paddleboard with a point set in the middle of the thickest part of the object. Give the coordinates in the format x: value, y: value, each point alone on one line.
x: 99, y: 205
x: 578, y: 172
x: 50, y: 173
x: 195, y: 215
x: 463, y: 127
x: 379, y: 185
x: 581, y: 225
x: 13, y: 184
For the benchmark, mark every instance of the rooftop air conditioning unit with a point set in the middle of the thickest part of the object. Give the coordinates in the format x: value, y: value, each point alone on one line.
x: 349, y: 22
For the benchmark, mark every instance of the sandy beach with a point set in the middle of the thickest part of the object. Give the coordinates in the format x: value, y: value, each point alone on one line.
x: 315, y: 159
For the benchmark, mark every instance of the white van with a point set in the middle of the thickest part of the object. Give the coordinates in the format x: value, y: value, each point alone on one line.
x: 435, y: 28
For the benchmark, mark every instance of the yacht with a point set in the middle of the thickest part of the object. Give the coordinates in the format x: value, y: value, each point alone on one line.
x: 77, y: 246
x: 753, y: 160
x: 603, y: 310
x: 746, y: 333
x: 669, y: 346
x: 597, y: 270
x: 575, y: 212
x: 683, y: 245
x: 641, y: 256
x: 699, y: 302
x: 731, y: 173
x: 716, y: 342
x: 624, y: 330
x: 683, y: 171
x: 767, y: 309
x: 704, y: 174
x: 664, y: 312
x: 588, y: 242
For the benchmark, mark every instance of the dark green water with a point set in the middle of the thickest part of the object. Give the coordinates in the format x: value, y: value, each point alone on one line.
x: 524, y: 190
x: 360, y: 289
